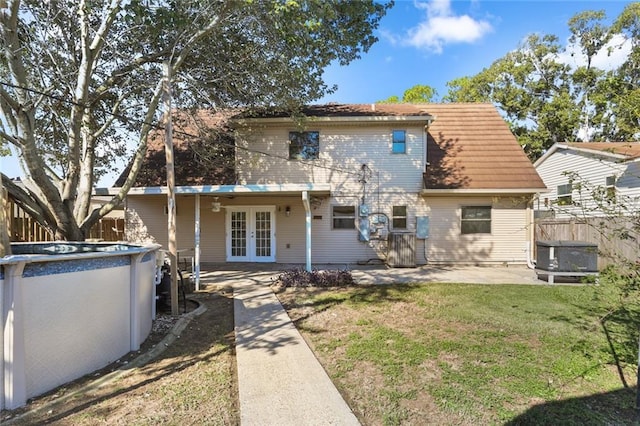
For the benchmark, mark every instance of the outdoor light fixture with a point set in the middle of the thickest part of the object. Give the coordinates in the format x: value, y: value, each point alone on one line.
x: 215, y: 205
x: 287, y: 211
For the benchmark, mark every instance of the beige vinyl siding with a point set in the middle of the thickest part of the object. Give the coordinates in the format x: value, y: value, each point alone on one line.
x: 335, y: 246
x: 343, y: 151
x: 592, y: 172
x: 506, y: 243
x: 289, y: 230
x: 146, y: 215
x: 343, y: 246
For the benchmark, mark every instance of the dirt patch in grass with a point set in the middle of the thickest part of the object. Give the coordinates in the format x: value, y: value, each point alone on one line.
x: 193, y: 381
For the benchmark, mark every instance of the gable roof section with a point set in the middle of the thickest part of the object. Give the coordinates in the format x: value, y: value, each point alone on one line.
x: 616, y: 151
x: 470, y: 147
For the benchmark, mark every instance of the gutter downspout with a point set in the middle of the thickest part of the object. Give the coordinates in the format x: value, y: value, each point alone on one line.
x: 531, y: 263
x: 307, y: 211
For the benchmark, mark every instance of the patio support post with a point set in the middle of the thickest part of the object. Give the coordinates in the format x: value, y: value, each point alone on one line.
x: 307, y: 211
x: 196, y: 254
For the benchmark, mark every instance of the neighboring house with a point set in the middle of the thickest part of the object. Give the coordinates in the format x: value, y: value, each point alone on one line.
x: 575, y: 172
x: 397, y: 183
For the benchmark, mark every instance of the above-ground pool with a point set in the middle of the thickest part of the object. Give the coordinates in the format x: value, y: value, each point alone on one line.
x: 69, y: 309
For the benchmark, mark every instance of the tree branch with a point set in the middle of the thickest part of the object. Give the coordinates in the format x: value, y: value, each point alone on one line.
x: 141, y: 150
x: 28, y: 201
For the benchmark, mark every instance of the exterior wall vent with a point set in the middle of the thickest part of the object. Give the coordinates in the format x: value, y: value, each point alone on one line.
x: 402, y: 250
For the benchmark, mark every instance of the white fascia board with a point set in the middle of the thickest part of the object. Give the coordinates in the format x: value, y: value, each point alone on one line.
x: 549, y: 152
x: 472, y: 192
x: 254, y: 189
x: 599, y: 153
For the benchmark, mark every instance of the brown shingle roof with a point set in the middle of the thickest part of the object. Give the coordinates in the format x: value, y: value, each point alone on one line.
x: 203, y: 153
x: 630, y: 150
x: 470, y: 146
x: 347, y: 110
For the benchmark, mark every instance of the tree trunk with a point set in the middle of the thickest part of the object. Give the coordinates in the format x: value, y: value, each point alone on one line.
x: 171, y: 198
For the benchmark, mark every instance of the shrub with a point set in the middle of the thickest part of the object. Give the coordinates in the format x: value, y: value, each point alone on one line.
x: 315, y: 278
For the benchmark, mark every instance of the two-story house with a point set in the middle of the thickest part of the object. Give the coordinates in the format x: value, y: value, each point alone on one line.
x: 397, y: 183
x: 584, y: 178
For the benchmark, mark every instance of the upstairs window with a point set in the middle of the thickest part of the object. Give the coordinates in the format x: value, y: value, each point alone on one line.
x: 343, y: 217
x: 476, y: 220
x: 304, y: 145
x: 399, y: 142
x: 610, y: 186
x: 564, y: 194
x: 399, y: 217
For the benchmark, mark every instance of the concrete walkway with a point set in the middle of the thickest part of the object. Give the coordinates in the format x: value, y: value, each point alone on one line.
x: 280, y: 381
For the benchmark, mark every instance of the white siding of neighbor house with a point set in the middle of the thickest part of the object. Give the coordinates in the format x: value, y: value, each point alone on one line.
x: 343, y: 151
x: 592, y: 172
x: 506, y: 243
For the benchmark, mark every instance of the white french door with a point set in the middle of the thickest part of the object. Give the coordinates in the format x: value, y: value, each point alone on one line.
x: 251, y: 234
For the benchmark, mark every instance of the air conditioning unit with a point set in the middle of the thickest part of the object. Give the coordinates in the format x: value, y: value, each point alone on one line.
x: 402, y: 250
x: 567, y: 256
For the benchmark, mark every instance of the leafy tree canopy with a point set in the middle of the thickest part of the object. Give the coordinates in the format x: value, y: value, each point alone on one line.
x: 546, y: 100
x: 418, y: 94
x: 78, y: 79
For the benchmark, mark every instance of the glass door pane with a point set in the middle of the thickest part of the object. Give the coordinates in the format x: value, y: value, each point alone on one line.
x: 262, y: 234
x: 238, y: 234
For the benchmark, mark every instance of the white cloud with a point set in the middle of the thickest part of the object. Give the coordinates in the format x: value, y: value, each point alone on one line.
x: 608, y: 58
x: 389, y: 36
x: 441, y: 27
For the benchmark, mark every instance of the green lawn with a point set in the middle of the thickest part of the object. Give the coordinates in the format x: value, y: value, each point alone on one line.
x: 470, y: 354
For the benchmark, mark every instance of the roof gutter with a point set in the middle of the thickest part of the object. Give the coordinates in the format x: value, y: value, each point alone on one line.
x: 481, y: 191
x: 254, y: 189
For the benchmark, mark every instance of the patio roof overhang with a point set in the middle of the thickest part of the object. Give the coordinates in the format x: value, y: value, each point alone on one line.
x: 253, y: 189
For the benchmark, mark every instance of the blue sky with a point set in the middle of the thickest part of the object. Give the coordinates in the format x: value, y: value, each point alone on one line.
x: 434, y: 41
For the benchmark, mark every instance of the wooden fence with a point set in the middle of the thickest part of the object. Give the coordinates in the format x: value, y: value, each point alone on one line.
x: 617, y: 238
x: 23, y: 228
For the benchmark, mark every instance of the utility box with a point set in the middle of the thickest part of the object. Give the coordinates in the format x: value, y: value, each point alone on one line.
x: 567, y: 256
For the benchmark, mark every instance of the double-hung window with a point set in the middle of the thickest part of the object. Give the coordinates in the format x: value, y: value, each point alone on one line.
x: 399, y: 142
x: 399, y: 217
x: 343, y: 217
x: 476, y: 220
x: 304, y: 145
x: 564, y: 194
